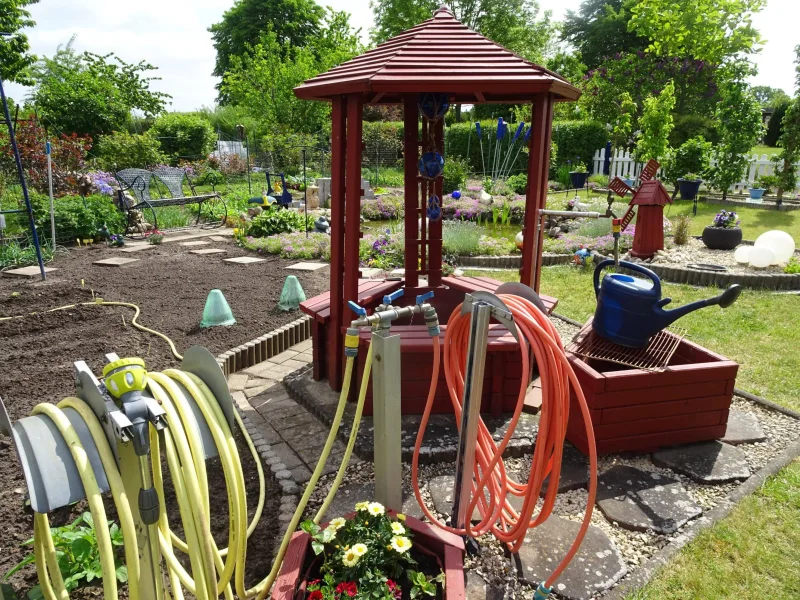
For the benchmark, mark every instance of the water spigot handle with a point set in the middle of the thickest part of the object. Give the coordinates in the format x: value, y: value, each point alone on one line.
x: 361, y: 312
x: 421, y: 299
x: 389, y: 298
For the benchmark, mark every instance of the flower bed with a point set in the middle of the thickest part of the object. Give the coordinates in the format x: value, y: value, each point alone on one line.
x: 297, y: 245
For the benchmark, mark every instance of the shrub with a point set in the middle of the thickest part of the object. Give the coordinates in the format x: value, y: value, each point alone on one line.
x: 518, y: 183
x: 385, y: 251
x: 78, y: 217
x: 460, y: 238
x: 123, y: 150
x: 184, y: 135
x: 455, y: 174
x: 384, y: 139
x: 775, y: 127
x: 276, y: 220
x: 691, y: 157
x: 691, y: 126
x: 383, y: 208
x: 681, y: 231
x: 492, y: 246
x: 578, y: 138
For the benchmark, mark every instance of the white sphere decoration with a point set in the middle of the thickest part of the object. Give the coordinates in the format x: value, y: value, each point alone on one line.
x: 780, y: 242
x: 742, y: 254
x: 519, y: 240
x: 761, y: 258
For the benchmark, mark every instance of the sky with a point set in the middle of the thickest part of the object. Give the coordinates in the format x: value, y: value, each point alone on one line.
x: 172, y: 35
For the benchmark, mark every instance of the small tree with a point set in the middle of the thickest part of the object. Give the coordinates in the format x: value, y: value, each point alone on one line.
x: 621, y: 127
x: 739, y: 121
x: 690, y: 158
x: 790, y: 141
x: 656, y: 124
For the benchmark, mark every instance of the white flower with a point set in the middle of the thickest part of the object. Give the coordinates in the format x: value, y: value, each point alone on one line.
x: 398, y: 529
x: 376, y: 508
x: 350, y: 558
x: 401, y: 544
x: 337, y: 523
x: 359, y: 549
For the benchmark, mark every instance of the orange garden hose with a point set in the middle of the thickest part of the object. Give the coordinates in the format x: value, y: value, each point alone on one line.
x: 497, y: 515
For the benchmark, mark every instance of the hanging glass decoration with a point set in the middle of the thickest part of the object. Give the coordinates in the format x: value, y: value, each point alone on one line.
x: 433, y: 106
x: 434, y: 208
x: 431, y: 165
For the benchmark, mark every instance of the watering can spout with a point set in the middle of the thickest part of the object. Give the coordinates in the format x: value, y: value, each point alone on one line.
x: 725, y: 299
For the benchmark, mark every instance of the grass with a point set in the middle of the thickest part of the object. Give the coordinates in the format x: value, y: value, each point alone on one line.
x: 755, y: 221
x: 768, y: 150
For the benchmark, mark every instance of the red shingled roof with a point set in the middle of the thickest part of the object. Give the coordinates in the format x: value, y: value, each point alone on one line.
x: 439, y: 55
x: 651, y: 193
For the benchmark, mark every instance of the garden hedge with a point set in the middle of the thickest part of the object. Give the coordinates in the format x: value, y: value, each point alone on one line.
x: 578, y: 139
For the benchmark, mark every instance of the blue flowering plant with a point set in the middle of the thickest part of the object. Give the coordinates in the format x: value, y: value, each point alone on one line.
x: 726, y: 220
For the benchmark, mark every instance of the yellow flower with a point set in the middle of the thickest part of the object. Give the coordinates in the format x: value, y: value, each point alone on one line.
x: 376, y: 508
x: 401, y: 516
x: 336, y: 524
x: 362, y: 505
x: 401, y: 544
x: 398, y: 529
x: 360, y: 550
x: 350, y: 558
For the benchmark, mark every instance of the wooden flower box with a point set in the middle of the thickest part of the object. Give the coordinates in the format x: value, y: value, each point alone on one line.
x: 637, y: 410
x: 448, y: 548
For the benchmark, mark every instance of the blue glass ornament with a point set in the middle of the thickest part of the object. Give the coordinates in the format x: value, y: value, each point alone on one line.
x: 431, y: 165
x: 434, y: 208
x: 433, y: 106
x: 456, y: 195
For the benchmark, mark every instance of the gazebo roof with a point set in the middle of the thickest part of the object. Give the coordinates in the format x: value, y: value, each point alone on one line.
x: 439, y: 55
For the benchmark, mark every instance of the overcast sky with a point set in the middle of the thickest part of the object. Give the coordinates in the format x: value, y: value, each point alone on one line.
x: 172, y: 35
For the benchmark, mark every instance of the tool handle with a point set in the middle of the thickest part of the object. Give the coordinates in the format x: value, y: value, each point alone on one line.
x: 421, y: 299
x: 389, y: 298
x: 628, y: 265
x: 361, y: 312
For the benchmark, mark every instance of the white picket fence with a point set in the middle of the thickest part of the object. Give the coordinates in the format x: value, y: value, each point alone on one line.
x: 625, y: 166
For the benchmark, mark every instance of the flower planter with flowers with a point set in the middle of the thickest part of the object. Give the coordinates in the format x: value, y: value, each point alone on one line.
x: 724, y: 232
x: 579, y: 175
x: 689, y: 185
x: 372, y: 554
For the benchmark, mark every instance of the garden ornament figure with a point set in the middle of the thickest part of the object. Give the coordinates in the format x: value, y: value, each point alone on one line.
x: 630, y: 310
x: 582, y: 257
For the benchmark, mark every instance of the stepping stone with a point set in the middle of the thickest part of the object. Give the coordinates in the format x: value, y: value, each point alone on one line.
x: 349, y: 494
x: 136, y: 248
x: 441, y: 490
x: 117, y: 261
x: 196, y: 243
x: 478, y: 589
x: 574, y: 471
x: 244, y: 260
x: 307, y: 266
x: 596, y: 567
x: 398, y: 273
x: 368, y: 273
x: 219, y: 238
x: 707, y: 462
x: 743, y: 428
x: 237, y: 382
x: 641, y: 500
x: 32, y: 271
x: 205, y: 251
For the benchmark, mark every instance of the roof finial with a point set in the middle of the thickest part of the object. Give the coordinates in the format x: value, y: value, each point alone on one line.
x: 444, y: 11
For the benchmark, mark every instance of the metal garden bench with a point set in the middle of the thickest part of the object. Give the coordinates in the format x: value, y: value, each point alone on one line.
x: 159, y: 188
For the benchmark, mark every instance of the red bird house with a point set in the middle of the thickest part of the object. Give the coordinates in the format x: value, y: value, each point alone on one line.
x: 650, y: 199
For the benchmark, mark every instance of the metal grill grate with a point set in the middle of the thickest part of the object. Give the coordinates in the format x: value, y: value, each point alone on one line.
x: 655, y: 357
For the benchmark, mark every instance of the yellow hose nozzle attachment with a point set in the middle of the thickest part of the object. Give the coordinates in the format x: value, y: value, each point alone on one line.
x: 125, y: 375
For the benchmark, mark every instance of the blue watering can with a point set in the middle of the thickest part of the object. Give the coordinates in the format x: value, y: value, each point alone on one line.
x: 630, y: 310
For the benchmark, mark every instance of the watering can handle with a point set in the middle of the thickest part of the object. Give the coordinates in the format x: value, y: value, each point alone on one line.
x: 628, y: 265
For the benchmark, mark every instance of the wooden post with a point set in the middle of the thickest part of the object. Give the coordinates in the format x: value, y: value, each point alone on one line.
x: 411, y: 179
x: 536, y: 194
x: 352, y: 200
x: 435, y: 229
x: 335, y: 338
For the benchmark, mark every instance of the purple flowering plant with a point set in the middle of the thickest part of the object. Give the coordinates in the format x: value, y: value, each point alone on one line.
x: 726, y: 219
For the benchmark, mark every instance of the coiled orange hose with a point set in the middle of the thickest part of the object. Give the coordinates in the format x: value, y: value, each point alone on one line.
x: 537, y: 334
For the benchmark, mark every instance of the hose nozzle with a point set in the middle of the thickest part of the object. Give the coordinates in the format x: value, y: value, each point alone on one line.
x: 542, y: 592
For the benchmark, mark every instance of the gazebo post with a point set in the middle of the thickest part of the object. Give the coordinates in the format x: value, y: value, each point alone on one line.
x: 435, y: 228
x: 411, y: 181
x: 536, y: 196
x: 352, y: 232
x: 335, y: 337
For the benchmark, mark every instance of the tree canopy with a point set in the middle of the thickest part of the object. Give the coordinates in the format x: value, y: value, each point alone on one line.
x: 15, y: 56
x: 769, y: 97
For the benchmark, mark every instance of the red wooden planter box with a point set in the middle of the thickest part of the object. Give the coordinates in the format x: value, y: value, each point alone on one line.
x: 448, y: 547
x: 636, y: 410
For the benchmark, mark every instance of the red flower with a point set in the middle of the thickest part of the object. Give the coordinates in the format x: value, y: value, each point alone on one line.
x: 347, y: 587
x: 391, y: 584
x: 315, y: 595
x: 315, y: 582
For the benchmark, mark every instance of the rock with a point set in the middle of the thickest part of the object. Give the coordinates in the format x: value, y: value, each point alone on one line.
x: 478, y: 589
x: 312, y: 197
x: 441, y: 490
x: 643, y: 500
x: 574, y: 471
x: 743, y: 428
x: 564, y: 227
x: 554, y: 232
x: 706, y: 462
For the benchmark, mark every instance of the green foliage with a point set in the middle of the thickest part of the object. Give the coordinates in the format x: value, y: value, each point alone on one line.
x: 156, y: 238
x: 793, y: 267
x: 183, y: 135
x: 385, y: 251
x: 455, y: 174
x: 767, y: 182
x: 691, y: 157
x: 691, y: 126
x: 790, y: 149
x: 276, y: 220
x: 578, y: 139
x: 769, y: 97
x: 740, y: 126
x: 518, y: 183
x: 15, y: 56
x: 123, y: 150
x: 656, y: 125
x: 775, y: 127
x: 461, y: 137
x: 622, y: 124
x: 92, y: 94
x: 681, y: 227
x: 297, y: 245
x: 709, y: 30
x: 78, y: 554
x: 460, y: 238
x: 78, y: 217
x: 14, y: 253
x: 423, y: 585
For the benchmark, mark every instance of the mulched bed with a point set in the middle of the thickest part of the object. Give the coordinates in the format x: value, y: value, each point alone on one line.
x: 170, y: 287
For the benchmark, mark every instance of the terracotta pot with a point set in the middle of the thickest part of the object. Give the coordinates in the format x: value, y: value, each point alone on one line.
x: 448, y: 548
x: 722, y: 238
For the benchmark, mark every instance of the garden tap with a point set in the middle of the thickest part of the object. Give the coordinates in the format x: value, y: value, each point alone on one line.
x: 385, y: 313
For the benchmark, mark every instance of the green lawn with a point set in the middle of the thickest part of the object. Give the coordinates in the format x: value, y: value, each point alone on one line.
x: 755, y: 552
x: 768, y: 150
x: 755, y: 221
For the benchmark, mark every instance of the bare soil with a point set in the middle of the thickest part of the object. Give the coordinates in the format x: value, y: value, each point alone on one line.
x: 170, y: 286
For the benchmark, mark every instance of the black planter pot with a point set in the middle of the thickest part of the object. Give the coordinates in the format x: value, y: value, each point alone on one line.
x: 578, y: 178
x: 722, y: 238
x: 689, y: 188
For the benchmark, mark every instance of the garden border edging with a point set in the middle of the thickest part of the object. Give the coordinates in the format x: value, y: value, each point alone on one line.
x: 510, y: 261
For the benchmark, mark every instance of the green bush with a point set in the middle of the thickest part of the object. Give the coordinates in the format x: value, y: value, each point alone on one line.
x: 578, y: 139
x: 276, y: 220
x: 77, y: 217
x: 518, y: 183
x: 691, y: 157
x: 385, y: 136
x: 775, y: 127
x: 184, y: 135
x: 692, y: 126
x: 123, y: 150
x: 455, y: 174
x: 460, y: 238
x: 461, y: 137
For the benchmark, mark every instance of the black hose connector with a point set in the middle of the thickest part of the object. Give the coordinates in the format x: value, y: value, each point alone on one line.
x: 148, y: 506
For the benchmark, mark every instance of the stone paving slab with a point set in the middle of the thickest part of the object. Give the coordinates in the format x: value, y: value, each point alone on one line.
x: 219, y: 238
x: 136, y: 247
x: 206, y: 251
x: 706, y: 462
x: 743, y: 428
x: 574, y: 471
x: 643, y: 500
x: 441, y: 490
x: 28, y: 272
x: 350, y: 493
x: 368, y: 273
x: 196, y: 243
x: 244, y: 260
x: 478, y: 589
x: 237, y: 382
x: 596, y: 567
x: 116, y: 261
x: 307, y: 266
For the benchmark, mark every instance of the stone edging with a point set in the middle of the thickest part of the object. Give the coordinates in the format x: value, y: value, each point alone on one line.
x: 267, y: 346
x: 511, y: 261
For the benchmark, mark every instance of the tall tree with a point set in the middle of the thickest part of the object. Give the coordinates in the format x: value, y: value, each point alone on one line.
x: 769, y: 97
x: 709, y: 30
x: 599, y: 29
x: 656, y: 124
x: 515, y: 24
x: 15, y: 56
x: 293, y: 22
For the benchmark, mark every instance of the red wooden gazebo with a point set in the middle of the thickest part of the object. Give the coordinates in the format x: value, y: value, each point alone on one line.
x: 442, y: 56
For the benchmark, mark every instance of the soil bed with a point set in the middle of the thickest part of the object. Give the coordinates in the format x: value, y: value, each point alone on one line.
x: 170, y: 286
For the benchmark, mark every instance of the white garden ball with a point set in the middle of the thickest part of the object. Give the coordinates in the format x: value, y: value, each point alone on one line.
x: 761, y: 258
x: 780, y: 242
x: 742, y: 254
x: 519, y: 240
